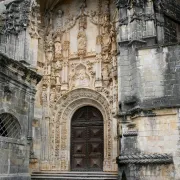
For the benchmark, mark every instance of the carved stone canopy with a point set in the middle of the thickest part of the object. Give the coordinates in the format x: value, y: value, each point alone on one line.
x: 16, y: 16
x: 130, y: 3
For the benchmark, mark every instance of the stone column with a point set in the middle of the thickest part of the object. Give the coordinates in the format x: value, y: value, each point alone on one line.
x: 31, y: 114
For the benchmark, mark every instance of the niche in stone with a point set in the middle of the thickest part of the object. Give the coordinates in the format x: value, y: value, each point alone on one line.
x: 9, y: 126
x: 124, y: 176
x: 7, y: 93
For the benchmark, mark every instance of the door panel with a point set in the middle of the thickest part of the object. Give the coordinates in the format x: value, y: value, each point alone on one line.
x: 95, y: 147
x: 79, y: 133
x: 87, y: 140
x: 78, y: 163
x: 95, y: 133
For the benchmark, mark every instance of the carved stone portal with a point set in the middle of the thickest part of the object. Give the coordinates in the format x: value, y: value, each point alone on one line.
x: 78, y: 73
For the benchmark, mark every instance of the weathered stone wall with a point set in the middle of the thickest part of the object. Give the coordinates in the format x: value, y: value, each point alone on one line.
x: 142, y: 64
x: 149, y: 135
x: 159, y: 76
x: 148, y: 82
x: 146, y: 172
x: 17, y: 91
x: 14, y: 159
x: 155, y: 76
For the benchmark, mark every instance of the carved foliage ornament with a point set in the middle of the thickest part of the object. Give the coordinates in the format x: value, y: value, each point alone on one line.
x: 169, y: 7
x: 16, y: 16
x: 130, y: 3
x: 35, y: 20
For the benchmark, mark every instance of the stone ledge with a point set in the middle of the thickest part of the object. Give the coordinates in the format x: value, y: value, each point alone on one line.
x: 9, y: 140
x: 18, y: 71
x: 150, y: 105
x: 19, y: 176
x: 145, y: 159
x: 157, y: 46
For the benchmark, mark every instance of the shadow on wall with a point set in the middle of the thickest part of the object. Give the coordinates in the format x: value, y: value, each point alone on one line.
x: 123, y: 176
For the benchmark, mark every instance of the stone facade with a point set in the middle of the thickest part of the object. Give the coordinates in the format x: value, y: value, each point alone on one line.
x: 148, y: 68
x: 120, y: 57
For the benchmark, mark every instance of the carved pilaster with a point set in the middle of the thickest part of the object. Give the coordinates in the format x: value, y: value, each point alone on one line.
x: 65, y: 85
x: 82, y: 39
x: 98, y: 82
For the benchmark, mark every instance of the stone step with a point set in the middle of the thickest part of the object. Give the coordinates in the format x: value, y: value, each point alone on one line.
x: 74, y: 175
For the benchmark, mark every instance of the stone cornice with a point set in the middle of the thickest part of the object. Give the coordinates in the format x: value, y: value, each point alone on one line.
x: 147, y: 111
x: 17, y: 71
x: 145, y: 159
x: 130, y: 133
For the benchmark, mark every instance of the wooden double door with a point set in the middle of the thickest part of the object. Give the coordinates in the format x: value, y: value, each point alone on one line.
x: 87, y: 140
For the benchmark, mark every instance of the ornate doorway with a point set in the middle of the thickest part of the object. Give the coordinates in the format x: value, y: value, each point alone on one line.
x: 87, y: 142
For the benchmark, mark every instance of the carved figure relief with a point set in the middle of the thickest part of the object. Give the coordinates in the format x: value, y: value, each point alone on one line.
x: 58, y: 47
x: 106, y: 42
x: 82, y: 22
x: 58, y: 72
x: 81, y: 43
x: 105, y: 72
x: 59, y: 18
x: 82, y: 40
x: 81, y: 78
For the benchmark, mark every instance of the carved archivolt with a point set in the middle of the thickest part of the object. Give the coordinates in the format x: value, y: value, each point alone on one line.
x: 61, y: 121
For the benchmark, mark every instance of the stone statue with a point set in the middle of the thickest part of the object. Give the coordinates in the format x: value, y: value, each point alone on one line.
x: 58, y: 47
x: 82, y: 43
x: 59, y: 18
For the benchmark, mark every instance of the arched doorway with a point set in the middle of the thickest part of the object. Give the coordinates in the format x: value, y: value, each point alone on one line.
x: 87, y: 140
